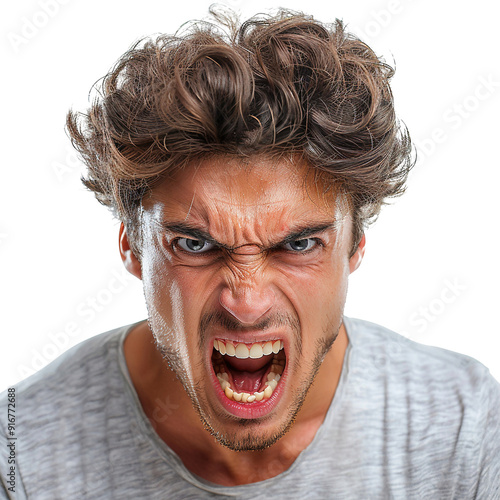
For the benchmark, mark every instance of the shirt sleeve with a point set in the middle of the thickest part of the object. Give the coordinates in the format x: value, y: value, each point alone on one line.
x: 488, y: 486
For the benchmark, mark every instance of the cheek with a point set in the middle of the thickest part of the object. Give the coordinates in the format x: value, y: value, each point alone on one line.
x: 157, y: 281
x: 164, y: 300
x: 311, y: 288
x: 177, y: 294
x: 198, y: 287
x: 317, y: 293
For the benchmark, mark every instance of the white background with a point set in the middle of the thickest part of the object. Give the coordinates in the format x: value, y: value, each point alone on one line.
x: 431, y: 268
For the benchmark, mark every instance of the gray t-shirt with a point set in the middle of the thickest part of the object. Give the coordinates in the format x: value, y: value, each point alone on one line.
x: 407, y: 422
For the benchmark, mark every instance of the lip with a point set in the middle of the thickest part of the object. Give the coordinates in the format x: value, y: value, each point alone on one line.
x: 256, y: 409
x: 253, y: 410
x: 250, y: 337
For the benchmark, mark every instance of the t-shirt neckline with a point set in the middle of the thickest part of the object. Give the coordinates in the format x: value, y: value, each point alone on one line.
x: 173, y: 460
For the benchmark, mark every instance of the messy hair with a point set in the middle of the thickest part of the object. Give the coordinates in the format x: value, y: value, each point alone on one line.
x: 275, y: 85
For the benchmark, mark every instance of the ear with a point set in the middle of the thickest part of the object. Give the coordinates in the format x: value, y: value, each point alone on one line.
x: 355, y: 260
x: 130, y: 261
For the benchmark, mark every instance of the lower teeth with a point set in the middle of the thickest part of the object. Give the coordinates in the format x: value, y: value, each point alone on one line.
x: 273, y: 378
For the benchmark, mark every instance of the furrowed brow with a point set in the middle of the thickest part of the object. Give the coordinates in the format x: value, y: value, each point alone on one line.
x: 305, y: 232
x: 190, y: 231
x: 197, y: 233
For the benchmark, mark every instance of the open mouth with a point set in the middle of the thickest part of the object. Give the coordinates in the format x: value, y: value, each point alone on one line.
x: 248, y: 373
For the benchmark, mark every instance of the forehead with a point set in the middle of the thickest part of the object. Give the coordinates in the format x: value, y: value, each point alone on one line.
x: 221, y: 193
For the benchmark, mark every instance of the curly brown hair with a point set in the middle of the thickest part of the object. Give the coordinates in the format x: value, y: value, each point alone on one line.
x: 273, y: 85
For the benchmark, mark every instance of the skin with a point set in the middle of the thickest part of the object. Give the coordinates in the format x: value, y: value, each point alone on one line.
x: 251, y: 275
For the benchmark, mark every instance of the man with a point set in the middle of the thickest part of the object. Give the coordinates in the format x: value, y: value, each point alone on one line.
x: 244, y: 167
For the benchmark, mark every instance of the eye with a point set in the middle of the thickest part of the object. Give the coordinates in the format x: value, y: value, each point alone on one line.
x: 301, y: 245
x: 195, y: 246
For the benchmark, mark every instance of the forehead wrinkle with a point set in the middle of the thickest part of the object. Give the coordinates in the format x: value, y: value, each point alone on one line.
x: 254, y: 190
x: 248, y: 228
x: 249, y: 215
x: 235, y: 232
x: 298, y: 229
x: 241, y: 202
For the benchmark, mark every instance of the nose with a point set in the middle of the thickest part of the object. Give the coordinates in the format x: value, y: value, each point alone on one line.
x: 247, y: 304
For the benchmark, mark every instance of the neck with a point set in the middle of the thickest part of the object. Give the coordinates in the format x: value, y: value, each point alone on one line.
x: 172, y: 415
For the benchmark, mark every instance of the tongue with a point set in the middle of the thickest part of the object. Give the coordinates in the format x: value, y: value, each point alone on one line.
x: 244, y: 381
x: 247, y: 373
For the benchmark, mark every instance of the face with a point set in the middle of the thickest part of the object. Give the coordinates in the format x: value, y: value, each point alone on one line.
x: 245, y: 270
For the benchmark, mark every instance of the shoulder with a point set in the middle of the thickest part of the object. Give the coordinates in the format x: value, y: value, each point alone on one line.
x: 429, y: 395
x: 426, y: 383
x: 386, y: 348
x: 65, y: 413
x: 443, y: 384
x: 90, y: 358
x: 81, y: 373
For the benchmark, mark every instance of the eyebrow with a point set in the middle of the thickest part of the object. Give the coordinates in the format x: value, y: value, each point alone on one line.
x: 195, y: 232
x: 189, y: 230
x: 305, y: 231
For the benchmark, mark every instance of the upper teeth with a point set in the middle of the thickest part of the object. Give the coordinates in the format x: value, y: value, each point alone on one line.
x: 243, y: 351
